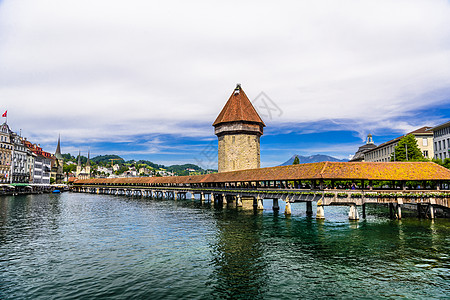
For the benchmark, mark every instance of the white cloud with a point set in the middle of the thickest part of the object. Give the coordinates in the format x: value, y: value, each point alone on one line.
x: 102, y: 70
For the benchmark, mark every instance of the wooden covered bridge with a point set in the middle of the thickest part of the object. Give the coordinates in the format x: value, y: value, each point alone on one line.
x: 424, y: 184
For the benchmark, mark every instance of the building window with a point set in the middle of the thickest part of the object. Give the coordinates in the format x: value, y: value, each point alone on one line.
x: 435, y: 146
x: 425, y: 153
x: 440, y: 148
x: 425, y: 142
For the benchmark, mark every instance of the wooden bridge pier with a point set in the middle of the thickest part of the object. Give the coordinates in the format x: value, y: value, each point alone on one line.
x: 287, y: 208
x: 353, y: 213
x: 259, y: 201
x: 309, y: 211
x: 275, y: 205
x: 320, y: 211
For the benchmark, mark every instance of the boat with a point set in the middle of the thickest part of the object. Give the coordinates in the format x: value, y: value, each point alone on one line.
x: 56, y: 191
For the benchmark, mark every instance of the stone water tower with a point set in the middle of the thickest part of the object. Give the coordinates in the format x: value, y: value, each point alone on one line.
x: 238, y: 128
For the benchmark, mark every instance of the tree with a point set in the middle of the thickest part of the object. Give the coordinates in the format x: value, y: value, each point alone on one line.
x: 69, y: 168
x: 445, y: 163
x: 296, y: 161
x: 407, y: 150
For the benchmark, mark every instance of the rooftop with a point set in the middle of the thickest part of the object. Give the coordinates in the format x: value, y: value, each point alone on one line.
x: 238, y: 108
x: 400, y: 171
x: 421, y: 131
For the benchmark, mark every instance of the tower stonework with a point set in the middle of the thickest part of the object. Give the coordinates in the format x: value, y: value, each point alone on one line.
x: 238, y: 128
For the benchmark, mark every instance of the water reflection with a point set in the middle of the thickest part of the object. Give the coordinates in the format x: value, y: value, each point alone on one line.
x: 239, y: 266
x: 111, y: 247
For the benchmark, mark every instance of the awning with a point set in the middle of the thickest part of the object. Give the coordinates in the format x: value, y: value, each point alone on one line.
x: 19, y: 184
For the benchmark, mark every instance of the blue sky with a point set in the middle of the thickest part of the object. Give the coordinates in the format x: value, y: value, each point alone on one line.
x: 146, y: 79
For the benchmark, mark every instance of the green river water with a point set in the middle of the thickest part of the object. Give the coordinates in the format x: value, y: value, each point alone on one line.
x: 82, y: 246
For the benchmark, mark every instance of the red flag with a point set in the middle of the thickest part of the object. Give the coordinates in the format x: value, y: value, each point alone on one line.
x: 4, y: 114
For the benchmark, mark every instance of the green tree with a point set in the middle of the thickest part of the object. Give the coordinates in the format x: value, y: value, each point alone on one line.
x: 296, y: 161
x: 445, y: 163
x: 121, y: 170
x: 69, y: 168
x: 407, y: 150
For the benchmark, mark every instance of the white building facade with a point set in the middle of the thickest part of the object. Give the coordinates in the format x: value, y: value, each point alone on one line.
x: 19, y: 164
x: 385, y: 151
x: 441, y: 141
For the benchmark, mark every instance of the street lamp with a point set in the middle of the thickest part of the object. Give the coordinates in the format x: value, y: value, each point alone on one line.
x: 406, y: 146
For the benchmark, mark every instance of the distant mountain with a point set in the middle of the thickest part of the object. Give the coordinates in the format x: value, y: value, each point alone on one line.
x: 312, y: 159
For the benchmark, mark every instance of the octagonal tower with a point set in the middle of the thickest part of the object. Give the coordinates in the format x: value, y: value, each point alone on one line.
x: 238, y: 128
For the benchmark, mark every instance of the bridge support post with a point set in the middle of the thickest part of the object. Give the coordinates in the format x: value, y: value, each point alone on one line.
x: 431, y: 209
x: 202, y: 197
x: 259, y: 203
x: 353, y: 213
x: 309, y: 211
x: 192, y: 196
x: 391, y: 210
x: 175, y: 196
x: 399, y: 211
x: 212, y: 198
x: 320, y: 211
x: 419, y: 210
x: 287, y: 208
x: 364, y: 210
x: 275, y: 206
x: 238, y: 201
x: 224, y: 200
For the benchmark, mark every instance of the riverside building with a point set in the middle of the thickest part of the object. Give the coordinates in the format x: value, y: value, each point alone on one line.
x: 441, y: 141
x: 42, y: 163
x: 359, y: 155
x: 5, y: 153
x: 385, y: 151
x: 19, y: 164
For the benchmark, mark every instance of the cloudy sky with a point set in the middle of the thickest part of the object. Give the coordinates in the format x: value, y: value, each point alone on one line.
x: 146, y: 79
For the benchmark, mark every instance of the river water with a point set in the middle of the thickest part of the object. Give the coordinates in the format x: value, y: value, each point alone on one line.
x: 82, y: 246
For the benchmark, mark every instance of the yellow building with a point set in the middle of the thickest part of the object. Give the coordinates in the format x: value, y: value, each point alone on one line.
x: 5, y: 153
x: 83, y: 173
x: 383, y: 152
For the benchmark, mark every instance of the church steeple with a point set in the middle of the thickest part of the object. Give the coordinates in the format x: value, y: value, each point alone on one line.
x: 57, y: 168
x: 88, y: 165
x: 79, y: 158
x: 58, y: 154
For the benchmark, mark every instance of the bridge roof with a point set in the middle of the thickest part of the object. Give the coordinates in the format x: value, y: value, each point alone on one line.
x: 401, y: 171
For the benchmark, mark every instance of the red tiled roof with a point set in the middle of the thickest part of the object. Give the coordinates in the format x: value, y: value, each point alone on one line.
x: 401, y: 171
x: 423, y: 130
x: 238, y: 108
